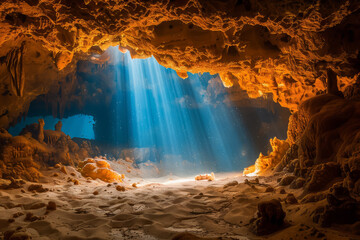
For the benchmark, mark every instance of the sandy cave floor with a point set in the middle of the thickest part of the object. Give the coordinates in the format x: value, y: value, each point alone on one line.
x: 156, y: 209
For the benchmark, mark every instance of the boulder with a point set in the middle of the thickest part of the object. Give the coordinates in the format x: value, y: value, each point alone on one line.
x: 291, y: 199
x: 270, y: 218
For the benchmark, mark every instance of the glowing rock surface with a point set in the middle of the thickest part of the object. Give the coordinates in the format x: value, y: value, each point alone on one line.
x: 99, y: 169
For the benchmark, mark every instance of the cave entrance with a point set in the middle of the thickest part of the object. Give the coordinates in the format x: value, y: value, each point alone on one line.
x: 139, y: 111
x: 184, y: 126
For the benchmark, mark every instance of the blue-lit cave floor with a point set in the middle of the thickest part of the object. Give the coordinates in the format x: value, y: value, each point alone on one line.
x: 156, y: 209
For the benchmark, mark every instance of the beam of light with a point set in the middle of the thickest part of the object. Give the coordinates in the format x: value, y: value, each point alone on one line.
x: 175, y: 116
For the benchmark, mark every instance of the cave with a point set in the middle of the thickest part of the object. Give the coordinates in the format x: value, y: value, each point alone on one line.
x: 213, y: 119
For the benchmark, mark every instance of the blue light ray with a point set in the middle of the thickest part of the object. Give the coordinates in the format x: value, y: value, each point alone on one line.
x: 174, y: 116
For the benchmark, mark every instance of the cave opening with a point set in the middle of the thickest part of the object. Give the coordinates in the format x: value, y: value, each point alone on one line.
x: 144, y: 112
x: 189, y: 125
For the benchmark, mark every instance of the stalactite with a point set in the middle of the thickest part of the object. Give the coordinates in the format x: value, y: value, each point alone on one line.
x: 15, y: 66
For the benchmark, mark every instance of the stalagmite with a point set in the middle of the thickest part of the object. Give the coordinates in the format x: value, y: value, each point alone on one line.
x: 40, y: 136
x: 332, y: 87
x: 58, y: 126
x: 15, y: 66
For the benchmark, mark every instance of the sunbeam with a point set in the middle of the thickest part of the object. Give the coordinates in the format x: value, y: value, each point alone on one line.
x: 177, y: 117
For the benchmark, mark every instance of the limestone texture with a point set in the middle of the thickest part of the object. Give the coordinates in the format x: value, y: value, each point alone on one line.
x: 276, y: 49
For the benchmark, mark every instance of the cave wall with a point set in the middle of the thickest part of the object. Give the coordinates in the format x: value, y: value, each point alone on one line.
x: 30, y: 73
x: 276, y: 48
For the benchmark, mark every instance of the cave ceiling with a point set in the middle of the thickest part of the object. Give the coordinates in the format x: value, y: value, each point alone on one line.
x: 270, y: 48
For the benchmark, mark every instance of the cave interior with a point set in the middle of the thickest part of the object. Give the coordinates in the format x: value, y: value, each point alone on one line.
x: 194, y: 119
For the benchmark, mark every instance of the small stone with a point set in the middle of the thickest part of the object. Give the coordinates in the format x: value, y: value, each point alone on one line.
x: 63, y: 169
x: 120, y: 188
x: 30, y: 217
x: 18, y: 214
x: 57, y: 165
x: 109, y: 185
x: 134, y: 185
x: 21, y: 181
x: 96, y: 193
x: 51, y: 206
x: 73, y: 174
x: 37, y: 188
x: 55, y: 175
x: 291, y: 199
x: 8, y: 234
x: 269, y: 189
x: 75, y: 181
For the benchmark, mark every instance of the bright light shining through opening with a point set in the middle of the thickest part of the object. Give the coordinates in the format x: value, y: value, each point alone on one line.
x: 191, y: 127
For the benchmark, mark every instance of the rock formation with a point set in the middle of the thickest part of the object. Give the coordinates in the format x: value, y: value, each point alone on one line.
x: 99, y: 169
x: 58, y: 126
x: 265, y: 164
x: 40, y: 134
x: 15, y: 65
x: 270, y: 218
x: 34, y: 149
x: 269, y: 48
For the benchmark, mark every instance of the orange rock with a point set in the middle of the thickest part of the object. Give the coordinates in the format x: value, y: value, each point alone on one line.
x: 99, y: 169
x: 264, y: 164
x: 63, y: 169
x: 210, y: 177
